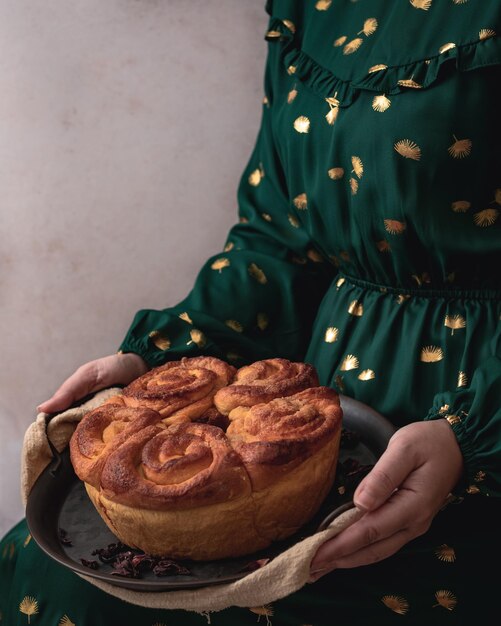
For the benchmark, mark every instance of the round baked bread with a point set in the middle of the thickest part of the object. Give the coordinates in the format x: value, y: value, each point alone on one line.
x: 192, y: 490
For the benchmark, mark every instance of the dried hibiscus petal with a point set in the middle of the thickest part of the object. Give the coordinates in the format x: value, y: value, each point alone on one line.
x: 63, y: 537
x: 166, y: 567
x: 254, y: 565
x: 91, y: 564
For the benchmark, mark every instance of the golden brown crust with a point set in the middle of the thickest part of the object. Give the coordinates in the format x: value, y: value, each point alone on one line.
x: 166, y: 478
x: 275, y: 437
x: 263, y: 381
x: 183, y: 466
x: 180, y: 390
x: 100, y: 432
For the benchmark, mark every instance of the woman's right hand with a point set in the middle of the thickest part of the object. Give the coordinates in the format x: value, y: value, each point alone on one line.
x: 116, y: 369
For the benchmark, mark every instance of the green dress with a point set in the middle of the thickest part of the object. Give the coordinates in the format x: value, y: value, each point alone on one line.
x: 369, y: 244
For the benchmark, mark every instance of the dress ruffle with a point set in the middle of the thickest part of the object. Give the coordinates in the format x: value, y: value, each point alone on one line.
x: 381, y: 78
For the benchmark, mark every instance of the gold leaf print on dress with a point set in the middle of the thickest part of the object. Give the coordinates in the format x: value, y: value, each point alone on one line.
x: 350, y: 362
x: 338, y: 380
x: 28, y: 606
x: 462, y: 379
x: 446, y: 46
x: 487, y: 217
x: 340, y: 41
x: 159, y: 340
x: 323, y: 5
x: 394, y: 227
x: 460, y: 1
x: 291, y: 95
x: 290, y: 25
x: 266, y: 101
x: 454, y: 322
x: 234, y: 325
x: 197, y: 337
x: 353, y: 186
x: 486, y: 33
x: 244, y: 220
x: 333, y: 102
x: 408, y: 149
x: 27, y: 540
x: 301, y: 201
x: 443, y: 409
x: 220, y: 264
x: 480, y: 476
x: 381, y: 103
x: 358, y: 166
x: 315, y: 256
x: 266, y: 610
x: 421, y: 279
x: 272, y: 34
x: 256, y: 176
x: 257, y: 273
x: 356, y: 308
x: 473, y: 490
x: 431, y: 354
x: 460, y: 206
x: 336, y: 173
x: 446, y: 599
x: 291, y: 69
x: 409, y: 82
x: 377, y: 68
x: 65, y: 621
x: 266, y: 217
x: 262, y: 321
x: 445, y: 553
x: 331, y: 334
x: 302, y: 124
x: 370, y: 27
x: 331, y: 116
x: 383, y: 246
x: 353, y: 45
x: 340, y: 282
x: 453, y: 419
x: 460, y: 148
x: 421, y: 4
x: 293, y: 220
x: 396, y: 603
x: 186, y: 318
x: 401, y: 298
x: 229, y: 246
x: 367, y: 375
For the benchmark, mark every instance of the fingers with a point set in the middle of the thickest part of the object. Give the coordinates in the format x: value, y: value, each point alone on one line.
x: 109, y: 370
x: 392, y: 468
x: 398, y: 514
x: 366, y: 555
x: 85, y: 380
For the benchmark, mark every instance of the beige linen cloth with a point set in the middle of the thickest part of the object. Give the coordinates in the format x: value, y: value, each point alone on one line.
x: 283, y: 575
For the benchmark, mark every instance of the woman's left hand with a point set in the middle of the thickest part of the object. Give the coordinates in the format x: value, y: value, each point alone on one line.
x: 400, y: 497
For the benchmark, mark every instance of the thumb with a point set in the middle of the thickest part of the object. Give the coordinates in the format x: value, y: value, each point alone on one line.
x: 390, y: 471
x: 59, y: 401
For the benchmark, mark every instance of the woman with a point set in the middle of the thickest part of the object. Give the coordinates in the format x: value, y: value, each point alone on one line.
x: 368, y: 245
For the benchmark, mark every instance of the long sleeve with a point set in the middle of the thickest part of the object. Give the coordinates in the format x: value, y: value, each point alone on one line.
x: 258, y: 298
x: 474, y: 413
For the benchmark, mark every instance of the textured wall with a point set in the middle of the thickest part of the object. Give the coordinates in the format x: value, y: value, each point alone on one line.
x: 124, y: 128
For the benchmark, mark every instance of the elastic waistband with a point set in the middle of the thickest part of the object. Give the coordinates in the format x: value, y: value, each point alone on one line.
x: 448, y: 293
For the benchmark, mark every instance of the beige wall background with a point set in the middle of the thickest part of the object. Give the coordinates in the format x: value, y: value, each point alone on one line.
x: 125, y: 126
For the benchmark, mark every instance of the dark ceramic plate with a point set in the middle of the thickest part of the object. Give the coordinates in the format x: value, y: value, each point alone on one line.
x: 58, y: 501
